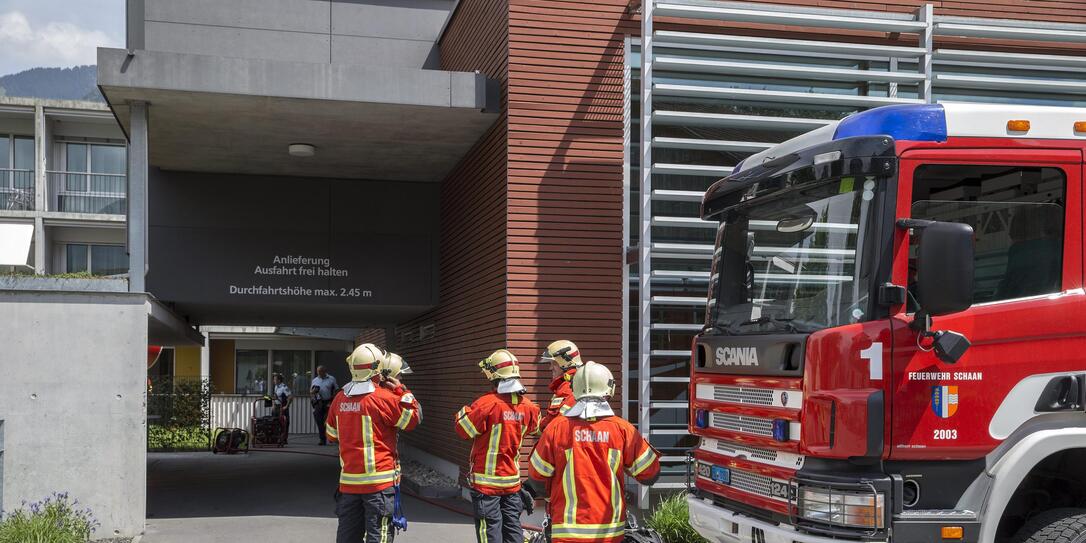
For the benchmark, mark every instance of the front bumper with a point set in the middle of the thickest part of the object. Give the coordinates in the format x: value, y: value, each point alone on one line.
x: 720, y: 525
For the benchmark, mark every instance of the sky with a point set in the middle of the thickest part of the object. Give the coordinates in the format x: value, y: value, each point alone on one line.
x: 57, y: 33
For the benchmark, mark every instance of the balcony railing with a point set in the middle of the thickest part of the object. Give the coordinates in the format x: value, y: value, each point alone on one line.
x: 16, y: 189
x: 80, y: 192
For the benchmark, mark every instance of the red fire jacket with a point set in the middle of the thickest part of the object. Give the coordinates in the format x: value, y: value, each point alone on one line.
x: 497, y: 423
x: 563, y: 396
x: 365, y: 427
x: 582, y: 462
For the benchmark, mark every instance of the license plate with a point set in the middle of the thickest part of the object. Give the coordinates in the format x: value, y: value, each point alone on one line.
x: 722, y: 475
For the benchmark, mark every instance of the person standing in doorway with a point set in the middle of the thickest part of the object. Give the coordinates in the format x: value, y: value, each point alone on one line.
x: 323, y: 388
x: 497, y: 423
x: 282, y: 398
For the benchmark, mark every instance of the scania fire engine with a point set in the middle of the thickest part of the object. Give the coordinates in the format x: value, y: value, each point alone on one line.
x: 895, y: 338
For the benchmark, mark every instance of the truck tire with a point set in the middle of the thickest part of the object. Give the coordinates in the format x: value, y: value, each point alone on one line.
x: 1066, y: 525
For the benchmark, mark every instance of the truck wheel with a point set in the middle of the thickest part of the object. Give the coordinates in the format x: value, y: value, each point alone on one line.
x: 1056, y: 526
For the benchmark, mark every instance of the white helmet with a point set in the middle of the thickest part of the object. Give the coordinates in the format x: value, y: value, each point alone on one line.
x: 593, y: 381
x: 564, y: 353
x: 393, y: 365
x: 501, y: 364
x: 364, y: 362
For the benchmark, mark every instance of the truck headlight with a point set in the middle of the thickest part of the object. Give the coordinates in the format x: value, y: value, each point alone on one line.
x: 850, y: 508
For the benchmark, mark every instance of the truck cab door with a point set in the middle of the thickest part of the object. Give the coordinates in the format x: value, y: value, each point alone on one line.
x: 1025, y: 207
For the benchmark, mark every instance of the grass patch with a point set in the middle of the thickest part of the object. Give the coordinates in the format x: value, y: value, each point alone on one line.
x: 52, y: 520
x: 671, y: 519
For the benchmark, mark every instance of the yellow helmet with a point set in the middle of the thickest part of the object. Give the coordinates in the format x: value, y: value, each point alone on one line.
x: 364, y: 362
x: 593, y: 381
x: 564, y: 353
x: 502, y: 364
x: 393, y: 365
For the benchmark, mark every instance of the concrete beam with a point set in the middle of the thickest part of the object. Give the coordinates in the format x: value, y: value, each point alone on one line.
x: 154, y: 70
x: 164, y: 327
x: 345, y: 334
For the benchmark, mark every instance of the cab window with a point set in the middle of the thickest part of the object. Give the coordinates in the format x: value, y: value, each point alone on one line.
x: 1017, y: 215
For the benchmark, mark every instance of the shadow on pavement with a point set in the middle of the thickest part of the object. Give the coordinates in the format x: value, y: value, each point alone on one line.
x: 281, y: 495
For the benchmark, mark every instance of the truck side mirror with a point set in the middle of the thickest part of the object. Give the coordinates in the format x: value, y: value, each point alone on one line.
x: 944, y: 268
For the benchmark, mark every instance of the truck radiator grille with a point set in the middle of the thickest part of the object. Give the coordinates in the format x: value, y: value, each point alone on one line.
x: 743, y: 395
x: 753, y: 483
x: 756, y: 453
x: 742, y: 423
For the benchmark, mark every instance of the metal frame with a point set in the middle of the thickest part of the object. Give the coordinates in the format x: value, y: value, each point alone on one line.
x: 788, y: 75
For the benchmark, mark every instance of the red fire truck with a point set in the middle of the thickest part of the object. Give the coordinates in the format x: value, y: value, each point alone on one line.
x: 895, y: 337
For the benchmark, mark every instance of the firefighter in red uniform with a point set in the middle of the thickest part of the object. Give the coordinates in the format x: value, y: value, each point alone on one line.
x: 567, y: 358
x: 582, y: 457
x: 497, y: 422
x: 364, y: 418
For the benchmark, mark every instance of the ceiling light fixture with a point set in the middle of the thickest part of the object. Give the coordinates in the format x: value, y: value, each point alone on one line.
x: 301, y: 149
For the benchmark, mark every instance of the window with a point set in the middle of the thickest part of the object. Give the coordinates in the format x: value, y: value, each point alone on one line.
x: 335, y: 363
x: 97, y: 259
x: 252, y: 372
x: 296, y: 369
x: 106, y: 161
x: 16, y: 165
x: 163, y: 367
x: 95, y: 180
x: 1017, y: 215
x: 22, y: 158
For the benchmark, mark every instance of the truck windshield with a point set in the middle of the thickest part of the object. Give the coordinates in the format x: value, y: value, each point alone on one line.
x: 787, y: 263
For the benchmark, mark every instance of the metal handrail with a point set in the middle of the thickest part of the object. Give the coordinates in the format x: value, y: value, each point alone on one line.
x: 110, y: 198
x: 16, y: 189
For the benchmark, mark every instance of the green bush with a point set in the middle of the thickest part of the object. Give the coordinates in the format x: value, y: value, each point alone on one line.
x: 52, y: 520
x: 179, y: 414
x: 173, y: 438
x: 671, y: 519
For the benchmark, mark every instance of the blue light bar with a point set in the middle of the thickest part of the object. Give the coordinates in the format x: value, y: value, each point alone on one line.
x: 906, y: 122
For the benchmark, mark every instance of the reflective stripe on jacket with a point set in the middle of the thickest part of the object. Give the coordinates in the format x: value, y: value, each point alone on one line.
x: 583, y: 462
x: 365, y: 427
x: 497, y: 424
x: 563, y: 396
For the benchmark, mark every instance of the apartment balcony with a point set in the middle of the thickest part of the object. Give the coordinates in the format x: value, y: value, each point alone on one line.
x: 80, y: 192
x: 16, y: 189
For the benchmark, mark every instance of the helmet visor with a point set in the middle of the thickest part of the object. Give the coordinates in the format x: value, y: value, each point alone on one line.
x: 404, y: 368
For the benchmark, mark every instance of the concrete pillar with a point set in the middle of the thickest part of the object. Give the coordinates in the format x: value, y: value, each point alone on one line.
x: 205, y: 357
x: 40, y: 189
x: 137, y: 197
x: 41, y: 264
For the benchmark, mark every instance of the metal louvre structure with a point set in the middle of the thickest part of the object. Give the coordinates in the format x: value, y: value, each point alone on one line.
x: 702, y: 102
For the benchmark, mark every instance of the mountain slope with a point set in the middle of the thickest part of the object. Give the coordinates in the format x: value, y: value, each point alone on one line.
x: 78, y: 83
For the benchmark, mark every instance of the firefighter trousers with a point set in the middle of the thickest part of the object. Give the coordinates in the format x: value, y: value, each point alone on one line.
x: 497, y: 518
x: 365, y: 514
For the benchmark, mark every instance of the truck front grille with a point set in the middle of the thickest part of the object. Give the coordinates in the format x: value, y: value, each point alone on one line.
x: 753, y: 483
x: 735, y: 449
x: 743, y: 395
x: 741, y: 423
x: 749, y: 482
